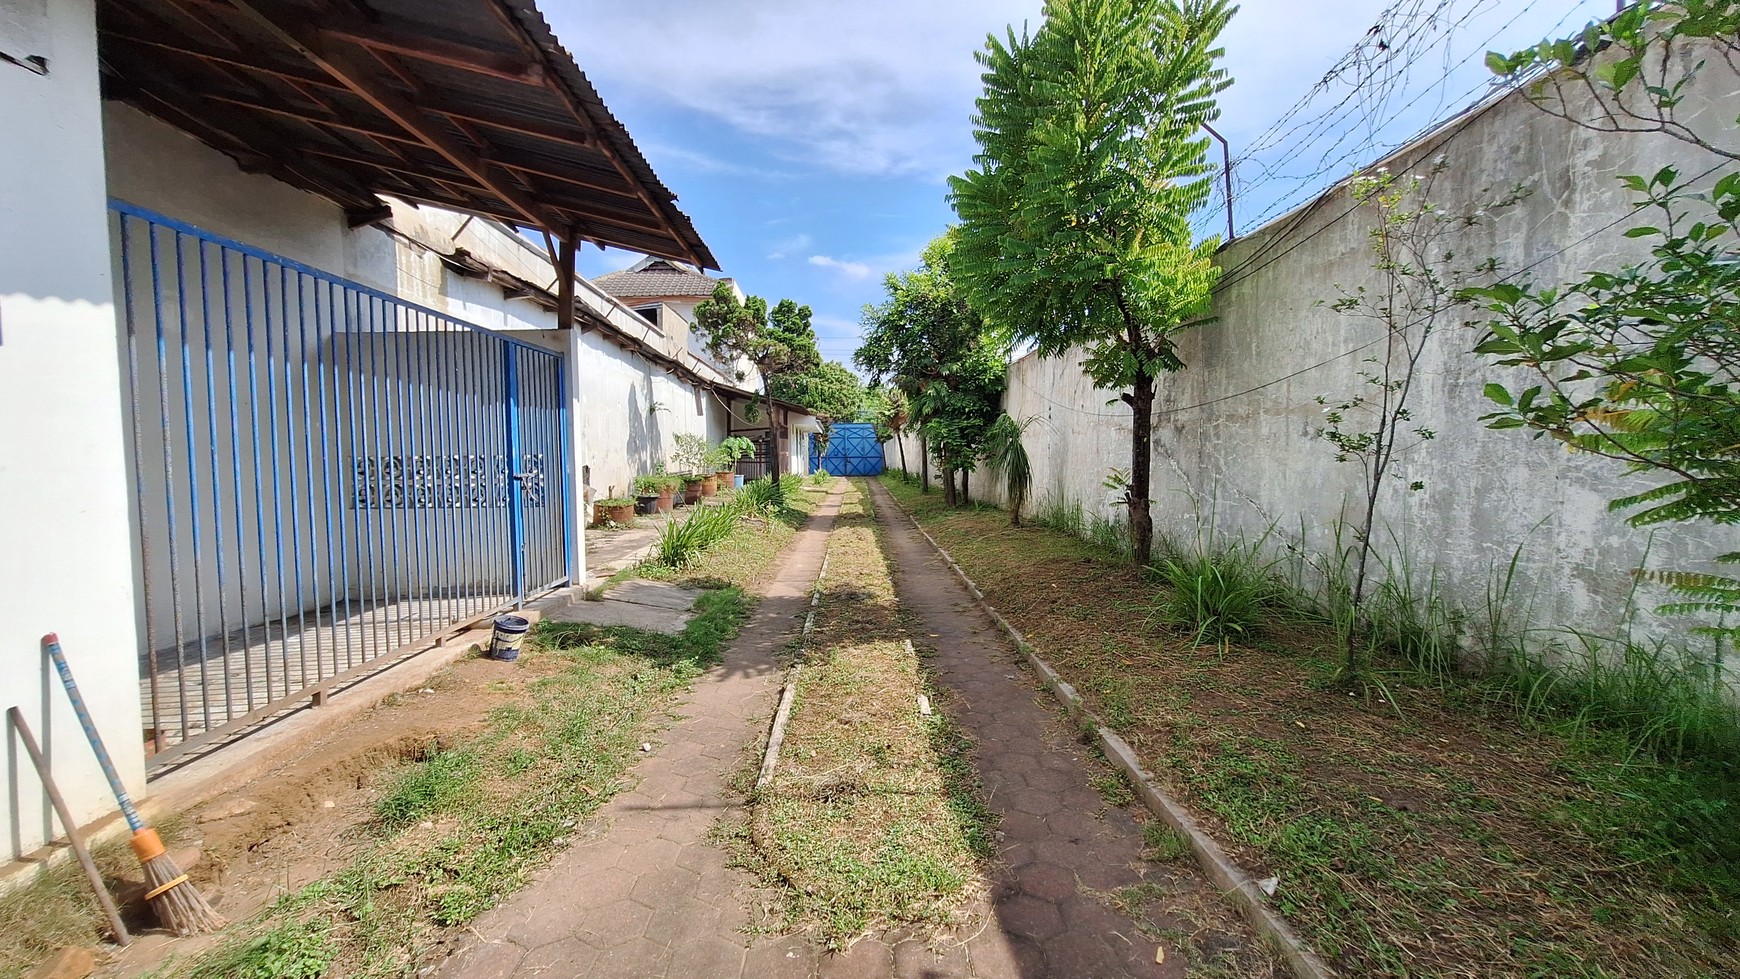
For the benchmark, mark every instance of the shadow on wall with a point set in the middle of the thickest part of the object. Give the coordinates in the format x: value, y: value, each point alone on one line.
x: 645, y: 438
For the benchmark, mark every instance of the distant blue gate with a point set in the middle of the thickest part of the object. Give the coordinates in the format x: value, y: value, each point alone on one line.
x: 852, y: 451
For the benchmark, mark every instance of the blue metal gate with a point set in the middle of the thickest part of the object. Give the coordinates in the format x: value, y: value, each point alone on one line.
x: 852, y: 450
x: 323, y: 473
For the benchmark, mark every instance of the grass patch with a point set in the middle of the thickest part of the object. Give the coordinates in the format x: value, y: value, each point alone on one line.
x: 460, y: 828
x: 1163, y: 843
x: 428, y: 788
x: 874, y: 816
x: 1569, y: 815
x: 56, y: 908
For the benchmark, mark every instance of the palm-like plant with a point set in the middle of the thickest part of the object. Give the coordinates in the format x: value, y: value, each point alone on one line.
x: 1006, y: 457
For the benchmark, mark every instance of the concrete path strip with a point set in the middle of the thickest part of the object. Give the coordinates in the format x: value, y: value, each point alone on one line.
x: 646, y: 893
x: 1067, y: 854
x: 1232, y: 880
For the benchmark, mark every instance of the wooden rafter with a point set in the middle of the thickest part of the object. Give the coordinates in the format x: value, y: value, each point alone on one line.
x: 355, y: 71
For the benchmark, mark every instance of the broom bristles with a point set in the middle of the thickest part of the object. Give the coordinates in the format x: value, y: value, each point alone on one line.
x: 180, y: 907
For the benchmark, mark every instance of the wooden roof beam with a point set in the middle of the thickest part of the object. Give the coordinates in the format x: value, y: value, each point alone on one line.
x: 453, y: 54
x: 584, y: 119
x: 358, y: 72
x: 201, y: 53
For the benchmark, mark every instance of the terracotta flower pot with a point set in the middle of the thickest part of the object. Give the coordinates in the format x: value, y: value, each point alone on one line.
x: 666, y: 503
x: 621, y: 514
x: 691, y: 491
x: 725, y: 476
x: 709, y: 485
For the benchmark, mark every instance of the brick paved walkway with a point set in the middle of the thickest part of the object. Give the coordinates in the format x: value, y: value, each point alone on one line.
x: 647, y: 894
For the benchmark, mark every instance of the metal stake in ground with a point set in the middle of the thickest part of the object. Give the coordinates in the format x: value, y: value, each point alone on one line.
x: 180, y: 906
x: 72, y: 833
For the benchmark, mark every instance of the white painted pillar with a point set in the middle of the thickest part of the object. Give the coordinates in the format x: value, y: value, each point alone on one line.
x: 65, y: 511
x: 577, y: 508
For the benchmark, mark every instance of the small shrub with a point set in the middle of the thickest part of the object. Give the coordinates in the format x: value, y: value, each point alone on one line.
x: 1219, y: 594
x: 759, y: 496
x: 819, y: 477
x: 680, y: 543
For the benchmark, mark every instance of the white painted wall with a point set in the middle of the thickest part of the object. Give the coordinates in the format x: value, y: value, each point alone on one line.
x: 64, y: 505
x: 1236, y: 434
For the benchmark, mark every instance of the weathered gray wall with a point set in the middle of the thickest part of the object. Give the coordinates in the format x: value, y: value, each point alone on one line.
x: 1237, y: 434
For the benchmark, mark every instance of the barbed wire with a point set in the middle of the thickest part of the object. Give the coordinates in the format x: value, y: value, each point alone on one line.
x: 1369, y: 83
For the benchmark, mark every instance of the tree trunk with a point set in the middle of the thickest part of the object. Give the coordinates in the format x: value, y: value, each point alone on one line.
x: 965, y: 499
x: 948, y: 486
x: 772, y: 436
x: 1360, y: 626
x: 924, y: 462
x: 1136, y: 494
x: 901, y: 442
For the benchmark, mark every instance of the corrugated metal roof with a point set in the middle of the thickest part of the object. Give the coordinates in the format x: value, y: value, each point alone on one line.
x: 471, y: 105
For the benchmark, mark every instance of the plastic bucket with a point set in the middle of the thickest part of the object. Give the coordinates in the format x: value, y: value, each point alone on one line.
x: 737, y: 480
x: 510, y: 633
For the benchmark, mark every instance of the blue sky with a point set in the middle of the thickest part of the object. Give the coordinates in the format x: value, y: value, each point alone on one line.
x: 810, y: 140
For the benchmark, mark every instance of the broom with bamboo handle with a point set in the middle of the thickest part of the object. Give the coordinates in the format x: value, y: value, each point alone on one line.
x: 178, y: 904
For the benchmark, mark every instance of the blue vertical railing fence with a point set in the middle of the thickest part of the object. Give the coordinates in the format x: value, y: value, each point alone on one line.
x: 323, y: 473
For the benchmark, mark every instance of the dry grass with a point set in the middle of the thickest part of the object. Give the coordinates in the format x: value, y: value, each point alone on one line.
x: 873, y: 816
x: 1416, y: 830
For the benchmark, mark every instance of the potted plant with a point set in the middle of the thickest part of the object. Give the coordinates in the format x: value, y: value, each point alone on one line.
x: 668, y: 486
x: 739, y: 449
x: 690, y: 457
x: 720, y: 460
x: 646, y: 494
x: 620, y: 509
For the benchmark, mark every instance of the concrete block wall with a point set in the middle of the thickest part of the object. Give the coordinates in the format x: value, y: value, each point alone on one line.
x: 1237, y: 434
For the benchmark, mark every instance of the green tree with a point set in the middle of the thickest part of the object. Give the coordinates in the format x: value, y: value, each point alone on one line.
x: 896, y: 412
x: 936, y: 349
x: 1075, y: 227
x: 1006, y: 458
x: 1641, y: 363
x: 779, y: 342
x: 828, y: 390
x: 1420, y: 285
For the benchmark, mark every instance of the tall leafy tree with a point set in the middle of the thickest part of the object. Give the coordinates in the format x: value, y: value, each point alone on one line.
x: 1075, y: 225
x: 828, y: 390
x: 780, y: 342
x: 936, y: 349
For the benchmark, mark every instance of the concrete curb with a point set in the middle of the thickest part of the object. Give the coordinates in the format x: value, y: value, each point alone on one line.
x: 1226, y: 875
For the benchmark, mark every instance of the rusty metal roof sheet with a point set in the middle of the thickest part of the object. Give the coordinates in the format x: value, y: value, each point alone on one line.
x: 471, y: 105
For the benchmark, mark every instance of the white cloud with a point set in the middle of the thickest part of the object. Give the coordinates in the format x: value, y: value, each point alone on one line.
x: 795, y: 244
x: 851, y: 270
x: 888, y: 88
x: 860, y: 88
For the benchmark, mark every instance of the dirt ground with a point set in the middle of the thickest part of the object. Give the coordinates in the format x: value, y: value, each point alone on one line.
x: 302, y: 819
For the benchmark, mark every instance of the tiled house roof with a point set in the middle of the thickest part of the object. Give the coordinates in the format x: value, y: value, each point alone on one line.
x: 657, y: 278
